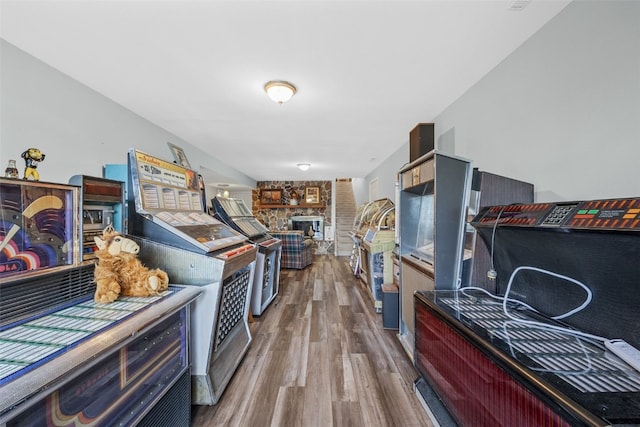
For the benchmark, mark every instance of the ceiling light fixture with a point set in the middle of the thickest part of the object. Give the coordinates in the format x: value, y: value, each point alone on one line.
x: 304, y: 166
x: 279, y: 91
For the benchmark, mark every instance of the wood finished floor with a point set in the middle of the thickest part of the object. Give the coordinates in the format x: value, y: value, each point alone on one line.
x: 319, y: 357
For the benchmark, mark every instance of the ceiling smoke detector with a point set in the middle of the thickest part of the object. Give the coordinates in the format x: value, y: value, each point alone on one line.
x: 518, y: 5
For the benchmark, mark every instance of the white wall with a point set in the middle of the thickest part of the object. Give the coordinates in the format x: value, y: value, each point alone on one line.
x: 561, y: 112
x: 78, y: 129
x: 361, y: 190
x: 386, y: 173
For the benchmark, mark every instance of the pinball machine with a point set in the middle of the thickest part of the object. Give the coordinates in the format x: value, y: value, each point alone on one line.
x: 537, y: 351
x: 63, y: 358
x: 266, y: 280
x: 167, y: 219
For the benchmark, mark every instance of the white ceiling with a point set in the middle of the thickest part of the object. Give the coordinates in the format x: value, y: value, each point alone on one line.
x: 366, y: 71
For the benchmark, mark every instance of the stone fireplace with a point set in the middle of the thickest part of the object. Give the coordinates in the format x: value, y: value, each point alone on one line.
x: 309, y: 224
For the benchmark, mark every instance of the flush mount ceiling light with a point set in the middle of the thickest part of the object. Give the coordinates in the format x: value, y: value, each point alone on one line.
x: 304, y: 166
x: 279, y: 91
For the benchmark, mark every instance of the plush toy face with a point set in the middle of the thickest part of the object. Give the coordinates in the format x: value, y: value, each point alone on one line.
x: 117, y: 245
x: 120, y: 272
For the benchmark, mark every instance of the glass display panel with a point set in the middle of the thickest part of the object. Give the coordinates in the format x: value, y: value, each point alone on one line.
x: 166, y: 186
x: 424, y: 247
x: 384, y: 218
x: 369, y: 212
x: 236, y: 214
x: 119, y: 390
x: 38, y: 226
x: 169, y: 195
x: 357, y: 222
x: 235, y: 207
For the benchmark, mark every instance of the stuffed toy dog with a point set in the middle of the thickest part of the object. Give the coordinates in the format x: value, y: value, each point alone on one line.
x: 120, y: 272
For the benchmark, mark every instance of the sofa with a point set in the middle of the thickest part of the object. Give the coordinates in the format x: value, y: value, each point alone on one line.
x: 297, y: 251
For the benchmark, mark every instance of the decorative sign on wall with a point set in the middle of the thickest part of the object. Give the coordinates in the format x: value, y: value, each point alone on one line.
x: 270, y: 197
x: 312, y: 195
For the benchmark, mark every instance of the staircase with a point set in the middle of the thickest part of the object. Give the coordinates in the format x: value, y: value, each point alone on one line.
x: 345, y: 214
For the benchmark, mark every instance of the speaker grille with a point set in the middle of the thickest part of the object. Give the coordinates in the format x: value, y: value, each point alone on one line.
x: 174, y: 409
x: 20, y: 299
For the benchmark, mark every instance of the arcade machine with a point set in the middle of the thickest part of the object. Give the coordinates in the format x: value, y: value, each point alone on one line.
x: 545, y: 349
x: 434, y: 194
x: 65, y: 360
x: 167, y: 217
x: 266, y: 279
x: 102, y: 204
x: 376, y: 248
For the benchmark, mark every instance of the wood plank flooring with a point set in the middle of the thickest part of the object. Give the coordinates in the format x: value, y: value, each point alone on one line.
x: 319, y: 357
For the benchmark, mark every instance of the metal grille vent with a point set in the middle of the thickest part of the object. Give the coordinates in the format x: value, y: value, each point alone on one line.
x: 232, y: 306
x: 174, y: 409
x: 580, y: 363
x: 24, y: 298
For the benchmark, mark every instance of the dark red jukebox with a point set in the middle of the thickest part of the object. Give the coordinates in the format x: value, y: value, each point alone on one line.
x: 536, y: 352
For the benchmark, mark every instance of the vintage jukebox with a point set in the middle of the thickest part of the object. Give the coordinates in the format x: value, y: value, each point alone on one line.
x: 538, y: 350
x: 266, y: 280
x: 166, y: 214
x: 65, y: 359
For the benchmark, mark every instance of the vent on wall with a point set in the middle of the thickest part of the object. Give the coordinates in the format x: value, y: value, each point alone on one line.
x: 518, y: 5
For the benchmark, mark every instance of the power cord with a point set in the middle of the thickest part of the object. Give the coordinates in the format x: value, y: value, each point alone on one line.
x: 492, y: 274
x: 506, y: 300
x: 581, y: 307
x: 558, y: 317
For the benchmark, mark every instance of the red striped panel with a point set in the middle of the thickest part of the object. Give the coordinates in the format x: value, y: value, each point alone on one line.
x: 475, y: 390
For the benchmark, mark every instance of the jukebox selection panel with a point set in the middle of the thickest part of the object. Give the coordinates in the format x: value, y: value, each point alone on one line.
x: 32, y: 343
x: 169, y: 196
x: 166, y: 186
x: 250, y: 226
x: 514, y: 215
x: 607, y: 214
x: 234, y: 207
x: 237, y: 215
x: 611, y: 214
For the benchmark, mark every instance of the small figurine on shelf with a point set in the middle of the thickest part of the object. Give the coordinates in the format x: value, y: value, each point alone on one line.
x: 11, y: 171
x: 293, y: 197
x: 32, y: 157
